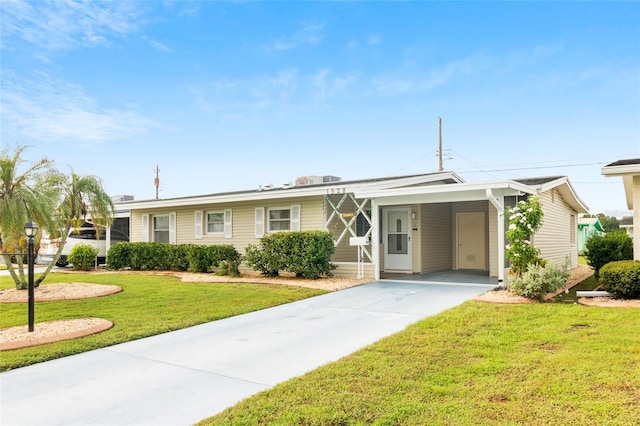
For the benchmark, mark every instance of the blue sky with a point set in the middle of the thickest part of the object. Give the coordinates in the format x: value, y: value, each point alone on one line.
x: 227, y: 96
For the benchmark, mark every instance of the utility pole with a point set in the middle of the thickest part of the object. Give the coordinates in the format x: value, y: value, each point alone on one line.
x: 156, y: 181
x: 440, y: 168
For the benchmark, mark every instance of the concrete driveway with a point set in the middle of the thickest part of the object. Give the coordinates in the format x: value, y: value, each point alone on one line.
x: 184, y: 376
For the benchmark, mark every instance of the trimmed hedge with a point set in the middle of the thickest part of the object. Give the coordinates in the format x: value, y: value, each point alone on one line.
x: 610, y: 247
x: 622, y: 278
x: 172, y: 257
x: 305, y: 253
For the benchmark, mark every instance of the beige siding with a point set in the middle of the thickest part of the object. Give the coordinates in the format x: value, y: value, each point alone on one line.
x: 243, y: 229
x: 554, y: 236
x: 469, y: 207
x: 350, y: 269
x: 436, y: 225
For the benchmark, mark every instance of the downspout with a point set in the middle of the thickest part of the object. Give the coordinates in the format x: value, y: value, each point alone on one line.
x: 375, y: 239
x: 498, y: 203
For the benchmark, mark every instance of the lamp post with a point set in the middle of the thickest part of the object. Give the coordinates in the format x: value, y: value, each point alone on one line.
x: 30, y: 228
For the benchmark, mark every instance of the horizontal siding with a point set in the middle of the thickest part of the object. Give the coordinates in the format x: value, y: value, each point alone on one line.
x: 436, y: 228
x: 554, y: 236
x: 243, y: 220
x: 350, y: 269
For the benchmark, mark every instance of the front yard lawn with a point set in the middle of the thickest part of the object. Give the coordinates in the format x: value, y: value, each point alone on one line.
x: 478, y: 363
x: 148, y: 305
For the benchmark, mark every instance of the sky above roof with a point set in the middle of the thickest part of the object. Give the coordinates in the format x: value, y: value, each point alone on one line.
x: 226, y: 96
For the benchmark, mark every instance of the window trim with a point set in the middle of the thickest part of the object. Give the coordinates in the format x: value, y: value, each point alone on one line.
x: 206, y: 222
x: 153, y: 226
x: 269, y: 210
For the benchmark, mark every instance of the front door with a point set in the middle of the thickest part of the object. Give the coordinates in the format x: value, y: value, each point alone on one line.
x: 397, y: 237
x: 471, y: 240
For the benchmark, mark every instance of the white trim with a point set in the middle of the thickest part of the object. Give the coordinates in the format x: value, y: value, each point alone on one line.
x: 220, y: 212
x: 294, y: 216
x: 268, y: 218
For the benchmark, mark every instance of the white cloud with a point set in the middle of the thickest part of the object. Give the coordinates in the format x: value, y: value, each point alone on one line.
x: 156, y: 44
x: 374, y: 39
x: 327, y: 86
x: 42, y: 108
x: 307, y: 34
x: 63, y: 24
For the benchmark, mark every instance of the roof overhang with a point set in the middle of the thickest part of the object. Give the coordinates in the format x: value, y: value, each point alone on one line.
x: 565, y: 189
x: 446, y: 193
x: 626, y: 172
x: 409, y: 182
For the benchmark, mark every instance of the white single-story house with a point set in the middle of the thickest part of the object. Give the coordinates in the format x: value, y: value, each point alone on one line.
x: 409, y: 224
x: 587, y: 228
x: 626, y: 224
x: 629, y: 171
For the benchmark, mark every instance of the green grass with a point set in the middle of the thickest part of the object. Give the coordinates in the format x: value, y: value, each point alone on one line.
x: 571, y: 297
x: 148, y: 305
x: 478, y: 363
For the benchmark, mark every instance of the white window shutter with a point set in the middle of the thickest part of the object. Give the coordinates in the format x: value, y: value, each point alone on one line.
x: 198, y: 225
x: 172, y: 228
x: 259, y: 222
x: 145, y: 228
x: 228, y: 229
x: 295, y: 217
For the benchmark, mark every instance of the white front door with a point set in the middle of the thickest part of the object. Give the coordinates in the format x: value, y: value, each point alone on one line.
x: 397, y: 238
x: 471, y: 240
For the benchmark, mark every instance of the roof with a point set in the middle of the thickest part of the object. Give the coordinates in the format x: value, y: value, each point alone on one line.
x: 590, y: 221
x: 564, y: 187
x: 444, y: 178
x: 626, y: 221
x: 626, y: 169
x: 538, y: 181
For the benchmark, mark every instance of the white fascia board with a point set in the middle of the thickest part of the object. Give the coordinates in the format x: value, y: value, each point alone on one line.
x: 477, y: 190
x: 627, y: 169
x: 568, y: 193
x: 283, y: 193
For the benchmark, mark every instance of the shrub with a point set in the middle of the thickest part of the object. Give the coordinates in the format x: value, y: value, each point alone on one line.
x: 610, y: 247
x: 525, y: 218
x: 305, y: 253
x: 539, y: 280
x: 83, y: 256
x: 171, y: 257
x: 621, y: 278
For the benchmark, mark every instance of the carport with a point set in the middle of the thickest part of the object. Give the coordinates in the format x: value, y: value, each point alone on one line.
x: 441, y: 233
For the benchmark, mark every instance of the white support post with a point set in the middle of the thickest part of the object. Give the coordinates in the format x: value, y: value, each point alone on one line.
x: 375, y: 239
x: 498, y: 203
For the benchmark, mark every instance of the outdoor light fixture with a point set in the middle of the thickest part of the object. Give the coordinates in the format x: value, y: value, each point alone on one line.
x: 30, y: 228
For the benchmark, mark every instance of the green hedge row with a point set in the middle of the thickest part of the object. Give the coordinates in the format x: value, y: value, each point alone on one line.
x: 622, y: 278
x: 173, y: 257
x: 305, y: 253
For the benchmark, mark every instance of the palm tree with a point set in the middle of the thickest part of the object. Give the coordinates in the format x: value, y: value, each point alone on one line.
x: 82, y: 197
x: 30, y: 195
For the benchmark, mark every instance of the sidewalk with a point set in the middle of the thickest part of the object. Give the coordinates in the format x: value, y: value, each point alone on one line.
x: 187, y: 375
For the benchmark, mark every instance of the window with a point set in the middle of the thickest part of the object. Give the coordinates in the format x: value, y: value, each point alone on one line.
x: 161, y: 228
x: 279, y: 220
x: 215, y: 222
x: 282, y: 219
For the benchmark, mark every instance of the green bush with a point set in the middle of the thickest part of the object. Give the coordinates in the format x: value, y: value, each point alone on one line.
x: 610, y: 247
x: 83, y: 257
x: 539, y: 280
x: 171, y: 257
x: 305, y: 253
x: 621, y: 278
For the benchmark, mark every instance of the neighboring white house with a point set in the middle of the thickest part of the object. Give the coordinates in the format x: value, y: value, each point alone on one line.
x: 629, y: 171
x: 412, y: 224
x: 626, y: 224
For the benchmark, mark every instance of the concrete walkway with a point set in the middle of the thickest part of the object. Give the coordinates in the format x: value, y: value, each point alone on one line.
x: 184, y: 376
